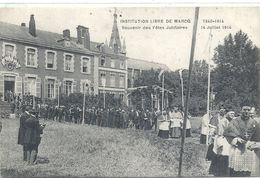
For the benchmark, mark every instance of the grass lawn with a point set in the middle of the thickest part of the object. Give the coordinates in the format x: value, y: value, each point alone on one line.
x: 70, y: 150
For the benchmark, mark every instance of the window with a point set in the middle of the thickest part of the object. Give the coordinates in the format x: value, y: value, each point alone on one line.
x: 103, y: 79
x: 85, y: 65
x: 102, y: 61
x: 68, y: 63
x: 9, y: 50
x: 122, y: 81
x: 112, y: 63
x: 50, y: 88
x: 31, y: 57
x: 51, y: 60
x: 68, y: 87
x: 31, y: 85
x: 122, y: 65
x: 85, y: 85
x: 112, y: 79
x: 121, y: 96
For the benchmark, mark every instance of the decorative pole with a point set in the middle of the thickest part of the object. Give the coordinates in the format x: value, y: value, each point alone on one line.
x: 182, y: 99
x: 84, y: 103
x: 209, y: 98
x: 258, y: 80
x: 188, y: 89
x: 58, y: 93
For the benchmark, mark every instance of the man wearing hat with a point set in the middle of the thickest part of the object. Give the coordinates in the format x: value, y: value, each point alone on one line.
x: 32, y: 137
x: 25, y: 115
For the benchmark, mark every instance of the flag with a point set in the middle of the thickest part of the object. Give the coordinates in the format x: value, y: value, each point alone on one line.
x: 160, y: 74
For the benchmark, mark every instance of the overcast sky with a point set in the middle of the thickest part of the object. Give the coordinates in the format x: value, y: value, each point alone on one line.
x: 167, y: 46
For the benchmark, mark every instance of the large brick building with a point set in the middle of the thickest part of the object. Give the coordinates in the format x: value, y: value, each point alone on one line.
x: 40, y: 62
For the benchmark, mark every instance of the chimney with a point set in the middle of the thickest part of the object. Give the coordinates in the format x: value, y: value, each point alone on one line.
x: 32, y: 27
x: 66, y: 34
x: 83, y: 36
x: 23, y: 24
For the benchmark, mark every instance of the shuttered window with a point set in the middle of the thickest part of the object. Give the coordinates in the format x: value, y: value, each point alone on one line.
x: 50, y: 88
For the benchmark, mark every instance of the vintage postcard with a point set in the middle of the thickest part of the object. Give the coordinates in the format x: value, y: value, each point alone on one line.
x: 129, y: 90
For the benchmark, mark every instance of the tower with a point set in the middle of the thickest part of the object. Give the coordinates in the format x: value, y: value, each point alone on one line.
x: 115, y: 42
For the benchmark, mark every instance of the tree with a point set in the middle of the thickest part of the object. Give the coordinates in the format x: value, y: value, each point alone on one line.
x: 235, y: 73
x: 198, y: 93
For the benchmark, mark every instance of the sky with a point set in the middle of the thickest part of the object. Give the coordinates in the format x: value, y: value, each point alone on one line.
x: 167, y: 46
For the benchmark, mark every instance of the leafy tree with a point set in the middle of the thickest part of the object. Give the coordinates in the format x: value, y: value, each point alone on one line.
x: 235, y: 75
x: 198, y: 93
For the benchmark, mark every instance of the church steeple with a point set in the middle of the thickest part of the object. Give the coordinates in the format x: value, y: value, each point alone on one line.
x: 115, y: 42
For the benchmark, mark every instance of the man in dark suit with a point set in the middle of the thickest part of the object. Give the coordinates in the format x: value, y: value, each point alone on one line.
x: 25, y: 115
x: 32, y: 136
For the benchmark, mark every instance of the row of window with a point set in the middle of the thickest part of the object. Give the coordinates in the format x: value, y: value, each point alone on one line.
x: 31, y: 58
x: 68, y: 86
x: 112, y: 79
x: 51, y: 86
x: 112, y: 63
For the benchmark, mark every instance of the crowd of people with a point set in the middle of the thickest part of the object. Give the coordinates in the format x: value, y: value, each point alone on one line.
x: 233, y: 142
x: 31, y: 129
x: 108, y: 117
x: 232, y: 139
x: 120, y: 118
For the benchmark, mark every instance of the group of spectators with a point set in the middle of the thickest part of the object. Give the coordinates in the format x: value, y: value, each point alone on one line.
x: 108, y: 117
x: 170, y: 122
x: 233, y: 141
x: 14, y: 99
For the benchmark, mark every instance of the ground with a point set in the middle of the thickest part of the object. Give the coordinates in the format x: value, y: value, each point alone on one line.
x: 70, y: 150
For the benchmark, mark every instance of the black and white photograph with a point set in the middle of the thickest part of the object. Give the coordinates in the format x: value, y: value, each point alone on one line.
x: 110, y: 90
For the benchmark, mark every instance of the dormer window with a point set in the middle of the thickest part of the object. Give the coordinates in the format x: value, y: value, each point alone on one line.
x: 66, y: 43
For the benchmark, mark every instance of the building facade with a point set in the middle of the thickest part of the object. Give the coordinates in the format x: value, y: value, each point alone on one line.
x: 43, y: 63
x: 136, y: 66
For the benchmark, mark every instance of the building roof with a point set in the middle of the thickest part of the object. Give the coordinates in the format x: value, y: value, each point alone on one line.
x: 48, y: 39
x: 145, y: 65
x: 52, y: 40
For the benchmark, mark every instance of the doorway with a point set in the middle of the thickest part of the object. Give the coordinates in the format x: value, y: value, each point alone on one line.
x: 9, y: 88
